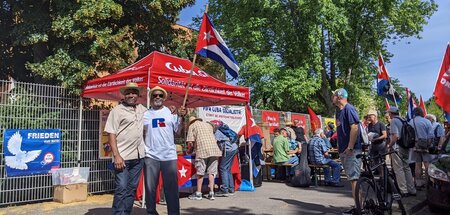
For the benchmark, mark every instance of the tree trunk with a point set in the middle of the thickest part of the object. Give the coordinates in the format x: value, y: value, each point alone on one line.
x: 324, y: 89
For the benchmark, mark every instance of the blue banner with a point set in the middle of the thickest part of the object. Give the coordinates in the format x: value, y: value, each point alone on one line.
x: 30, y: 152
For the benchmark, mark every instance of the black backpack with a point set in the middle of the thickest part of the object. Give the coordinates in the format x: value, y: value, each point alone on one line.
x: 407, y: 135
x: 302, y: 172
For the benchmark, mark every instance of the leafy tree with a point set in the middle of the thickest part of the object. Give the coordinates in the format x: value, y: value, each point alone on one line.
x: 433, y: 108
x: 68, y: 41
x: 335, y: 42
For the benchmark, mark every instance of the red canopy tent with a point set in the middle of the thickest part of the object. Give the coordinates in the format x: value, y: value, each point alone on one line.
x: 172, y: 74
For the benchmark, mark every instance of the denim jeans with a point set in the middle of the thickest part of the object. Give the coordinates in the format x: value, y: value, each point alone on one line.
x: 225, y: 171
x: 335, y: 167
x: 126, y: 184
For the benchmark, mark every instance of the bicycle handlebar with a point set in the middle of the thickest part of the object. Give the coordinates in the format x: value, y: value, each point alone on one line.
x: 376, y: 157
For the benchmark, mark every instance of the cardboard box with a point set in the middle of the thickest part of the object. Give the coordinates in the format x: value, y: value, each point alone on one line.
x: 70, y: 193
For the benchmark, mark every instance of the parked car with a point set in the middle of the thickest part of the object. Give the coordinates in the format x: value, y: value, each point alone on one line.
x: 438, y: 187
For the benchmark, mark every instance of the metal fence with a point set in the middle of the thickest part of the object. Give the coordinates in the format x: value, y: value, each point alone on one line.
x: 37, y: 106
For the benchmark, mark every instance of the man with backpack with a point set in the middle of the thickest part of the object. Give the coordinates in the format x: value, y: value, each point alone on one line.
x: 226, y: 139
x: 400, y: 165
x: 424, y: 137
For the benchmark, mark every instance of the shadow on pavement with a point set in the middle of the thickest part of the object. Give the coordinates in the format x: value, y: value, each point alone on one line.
x: 344, y: 191
x: 311, y: 208
x: 214, y: 211
x: 107, y: 211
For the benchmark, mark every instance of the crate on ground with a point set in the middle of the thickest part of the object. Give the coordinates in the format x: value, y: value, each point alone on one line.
x: 66, y: 176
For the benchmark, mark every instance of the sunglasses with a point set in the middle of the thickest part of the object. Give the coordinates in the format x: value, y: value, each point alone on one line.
x: 158, y: 95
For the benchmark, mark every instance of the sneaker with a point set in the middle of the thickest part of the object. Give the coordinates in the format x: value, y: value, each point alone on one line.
x: 350, y: 211
x: 195, y: 196
x: 231, y: 193
x: 222, y: 194
x: 210, y: 196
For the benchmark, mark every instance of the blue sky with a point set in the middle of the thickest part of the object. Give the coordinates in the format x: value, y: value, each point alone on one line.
x: 415, y: 63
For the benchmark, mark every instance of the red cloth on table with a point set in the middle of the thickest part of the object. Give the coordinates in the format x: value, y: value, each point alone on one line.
x: 235, y: 171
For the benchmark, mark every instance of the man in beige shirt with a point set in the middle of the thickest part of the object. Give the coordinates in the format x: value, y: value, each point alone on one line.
x: 207, y: 152
x: 125, y: 128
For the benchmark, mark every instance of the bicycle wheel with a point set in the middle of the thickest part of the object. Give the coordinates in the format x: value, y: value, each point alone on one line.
x: 366, y: 197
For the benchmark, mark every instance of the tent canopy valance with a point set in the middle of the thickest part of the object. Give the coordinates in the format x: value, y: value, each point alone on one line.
x: 172, y: 74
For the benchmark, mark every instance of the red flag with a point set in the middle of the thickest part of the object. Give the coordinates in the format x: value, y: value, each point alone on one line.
x: 422, y: 105
x: 442, y: 88
x: 386, y: 102
x: 315, y: 121
x: 186, y: 170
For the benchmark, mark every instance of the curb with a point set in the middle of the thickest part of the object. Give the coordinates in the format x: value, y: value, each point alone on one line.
x: 417, y: 207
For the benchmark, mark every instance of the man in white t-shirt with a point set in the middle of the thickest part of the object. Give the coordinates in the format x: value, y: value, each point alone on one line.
x: 160, y: 123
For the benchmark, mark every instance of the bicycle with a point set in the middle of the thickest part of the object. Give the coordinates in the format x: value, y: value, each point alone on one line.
x: 375, y: 196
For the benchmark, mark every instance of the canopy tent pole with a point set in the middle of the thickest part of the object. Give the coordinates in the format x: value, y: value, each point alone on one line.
x: 80, y: 114
x: 148, y: 107
x: 250, y: 165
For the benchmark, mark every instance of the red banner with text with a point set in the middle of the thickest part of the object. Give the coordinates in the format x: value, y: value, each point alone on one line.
x: 272, y: 118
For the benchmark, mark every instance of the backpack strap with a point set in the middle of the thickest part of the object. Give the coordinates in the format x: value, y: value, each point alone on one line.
x: 435, y: 130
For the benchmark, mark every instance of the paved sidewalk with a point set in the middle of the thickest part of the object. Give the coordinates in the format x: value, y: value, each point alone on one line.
x: 271, y: 198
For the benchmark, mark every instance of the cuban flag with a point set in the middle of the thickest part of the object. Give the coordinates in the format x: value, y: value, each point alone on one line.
x: 211, y: 45
x: 384, y: 86
x: 411, y: 106
x: 253, y: 133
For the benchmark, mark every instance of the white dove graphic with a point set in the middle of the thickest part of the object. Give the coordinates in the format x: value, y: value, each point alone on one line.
x: 20, y: 158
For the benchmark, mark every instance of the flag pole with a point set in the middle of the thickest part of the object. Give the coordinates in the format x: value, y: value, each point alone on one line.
x: 250, y: 163
x: 190, y: 73
x: 395, y: 100
x: 189, y: 81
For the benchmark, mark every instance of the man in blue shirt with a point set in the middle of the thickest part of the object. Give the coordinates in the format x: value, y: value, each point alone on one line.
x: 424, y: 133
x: 349, y: 144
x: 318, y: 151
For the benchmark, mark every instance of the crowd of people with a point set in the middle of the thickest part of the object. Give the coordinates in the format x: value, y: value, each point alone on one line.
x: 144, y: 139
x: 409, y: 164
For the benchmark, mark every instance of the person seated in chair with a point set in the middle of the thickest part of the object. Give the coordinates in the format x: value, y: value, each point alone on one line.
x: 282, y: 154
x: 318, y: 155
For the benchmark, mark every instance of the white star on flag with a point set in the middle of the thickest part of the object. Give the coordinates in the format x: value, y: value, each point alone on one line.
x: 253, y: 122
x: 208, y: 36
x: 182, y: 171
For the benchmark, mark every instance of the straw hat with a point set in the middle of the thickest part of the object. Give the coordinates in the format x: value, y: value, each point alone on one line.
x: 160, y: 89
x: 372, y: 112
x: 288, y: 123
x: 192, y: 119
x: 131, y: 85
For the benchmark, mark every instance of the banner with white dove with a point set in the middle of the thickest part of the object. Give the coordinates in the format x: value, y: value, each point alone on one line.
x: 30, y: 152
